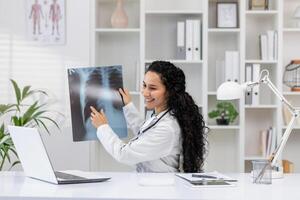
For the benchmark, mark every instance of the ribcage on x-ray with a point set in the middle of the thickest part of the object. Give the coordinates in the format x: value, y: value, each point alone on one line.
x: 98, y: 79
x: 98, y: 87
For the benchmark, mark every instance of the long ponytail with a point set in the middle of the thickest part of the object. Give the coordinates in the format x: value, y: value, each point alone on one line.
x: 187, y: 113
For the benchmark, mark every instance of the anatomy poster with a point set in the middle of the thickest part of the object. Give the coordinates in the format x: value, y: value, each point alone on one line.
x: 46, y: 21
x: 97, y: 87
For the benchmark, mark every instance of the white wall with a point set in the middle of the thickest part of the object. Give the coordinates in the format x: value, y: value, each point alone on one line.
x: 44, y: 67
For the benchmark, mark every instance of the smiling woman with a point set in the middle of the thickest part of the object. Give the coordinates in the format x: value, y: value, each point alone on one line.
x: 173, y: 139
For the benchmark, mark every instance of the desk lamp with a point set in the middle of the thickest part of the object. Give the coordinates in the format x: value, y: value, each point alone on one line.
x: 233, y: 90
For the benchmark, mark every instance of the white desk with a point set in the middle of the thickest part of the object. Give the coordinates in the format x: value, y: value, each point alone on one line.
x: 13, y: 185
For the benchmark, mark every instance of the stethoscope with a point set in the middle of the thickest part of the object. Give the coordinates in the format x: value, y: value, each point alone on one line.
x: 149, y: 127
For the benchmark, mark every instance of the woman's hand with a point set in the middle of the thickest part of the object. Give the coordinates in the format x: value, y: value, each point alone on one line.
x: 125, y: 95
x: 98, y: 118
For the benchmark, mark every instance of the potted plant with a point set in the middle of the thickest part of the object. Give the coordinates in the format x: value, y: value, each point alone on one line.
x: 24, y: 112
x: 225, y: 113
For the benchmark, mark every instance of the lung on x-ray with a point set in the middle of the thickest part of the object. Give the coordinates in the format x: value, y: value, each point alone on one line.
x: 98, y: 87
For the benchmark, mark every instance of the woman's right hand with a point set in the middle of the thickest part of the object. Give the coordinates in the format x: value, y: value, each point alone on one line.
x: 125, y: 95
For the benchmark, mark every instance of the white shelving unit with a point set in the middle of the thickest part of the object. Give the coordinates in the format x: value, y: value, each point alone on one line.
x: 151, y: 35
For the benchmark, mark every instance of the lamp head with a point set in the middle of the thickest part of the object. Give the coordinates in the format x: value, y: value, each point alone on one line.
x: 230, y: 90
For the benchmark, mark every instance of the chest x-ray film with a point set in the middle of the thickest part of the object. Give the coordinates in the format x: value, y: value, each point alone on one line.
x: 97, y: 87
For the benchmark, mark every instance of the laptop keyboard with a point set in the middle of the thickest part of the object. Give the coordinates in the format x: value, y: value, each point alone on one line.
x: 65, y: 176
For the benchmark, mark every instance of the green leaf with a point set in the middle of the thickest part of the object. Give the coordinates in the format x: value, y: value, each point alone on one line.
x: 54, y: 122
x: 4, y: 139
x: 45, y: 127
x: 29, y: 112
x: 5, y: 108
x: 17, y: 91
x: 16, y: 121
x: 14, y: 152
x: 25, y: 92
x: 14, y: 163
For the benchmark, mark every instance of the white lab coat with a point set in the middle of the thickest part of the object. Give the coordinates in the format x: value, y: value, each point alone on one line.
x: 156, y: 150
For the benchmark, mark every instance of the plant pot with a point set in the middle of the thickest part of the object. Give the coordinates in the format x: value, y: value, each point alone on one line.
x: 222, y: 121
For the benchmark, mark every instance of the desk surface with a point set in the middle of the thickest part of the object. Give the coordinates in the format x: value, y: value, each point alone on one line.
x: 13, y: 185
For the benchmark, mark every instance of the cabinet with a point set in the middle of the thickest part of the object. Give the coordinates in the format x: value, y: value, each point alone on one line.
x: 151, y: 35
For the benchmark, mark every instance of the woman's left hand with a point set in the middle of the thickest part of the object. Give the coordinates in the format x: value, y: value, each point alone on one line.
x: 98, y: 118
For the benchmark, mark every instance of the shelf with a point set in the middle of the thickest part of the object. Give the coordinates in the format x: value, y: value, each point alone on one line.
x: 223, y: 30
x: 212, y: 93
x: 117, y: 30
x: 179, y: 61
x: 261, y: 12
x: 260, y: 106
x: 228, y: 127
x: 291, y: 93
x: 291, y: 30
x: 254, y: 158
x: 167, y: 12
x: 262, y: 61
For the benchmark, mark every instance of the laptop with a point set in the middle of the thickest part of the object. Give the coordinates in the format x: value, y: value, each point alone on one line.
x: 35, y: 160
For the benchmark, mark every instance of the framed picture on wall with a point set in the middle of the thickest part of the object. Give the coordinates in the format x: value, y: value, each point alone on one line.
x: 46, y: 21
x: 227, y: 15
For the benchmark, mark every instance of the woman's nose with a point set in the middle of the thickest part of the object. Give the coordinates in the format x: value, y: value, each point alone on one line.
x: 145, y: 92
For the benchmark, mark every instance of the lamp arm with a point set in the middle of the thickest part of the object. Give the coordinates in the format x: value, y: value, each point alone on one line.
x: 269, y: 83
x: 295, y: 113
x: 274, y: 156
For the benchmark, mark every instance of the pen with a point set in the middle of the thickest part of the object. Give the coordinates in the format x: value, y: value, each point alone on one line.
x: 212, y: 177
x: 203, y: 176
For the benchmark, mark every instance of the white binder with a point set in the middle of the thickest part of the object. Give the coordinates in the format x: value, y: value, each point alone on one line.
x: 248, y: 77
x: 255, y: 93
x: 220, y: 73
x: 270, y: 36
x: 228, y: 66
x: 275, y: 45
x: 263, y: 47
x: 180, y: 40
x: 189, y: 40
x: 235, y: 66
x: 196, y: 40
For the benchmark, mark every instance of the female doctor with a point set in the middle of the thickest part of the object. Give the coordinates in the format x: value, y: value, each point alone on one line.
x: 173, y: 139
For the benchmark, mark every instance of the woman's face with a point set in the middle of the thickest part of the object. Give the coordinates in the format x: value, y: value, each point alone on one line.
x: 154, y: 92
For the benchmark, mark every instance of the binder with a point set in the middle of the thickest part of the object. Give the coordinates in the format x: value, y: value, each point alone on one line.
x: 264, y: 139
x: 275, y: 45
x: 220, y: 73
x: 180, y: 40
x: 248, y: 77
x: 263, y: 47
x: 235, y: 66
x: 270, y: 36
x: 196, y: 40
x: 255, y: 90
x: 189, y: 40
x: 228, y: 66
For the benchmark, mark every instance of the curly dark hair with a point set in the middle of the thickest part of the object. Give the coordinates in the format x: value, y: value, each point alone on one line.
x: 183, y: 107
